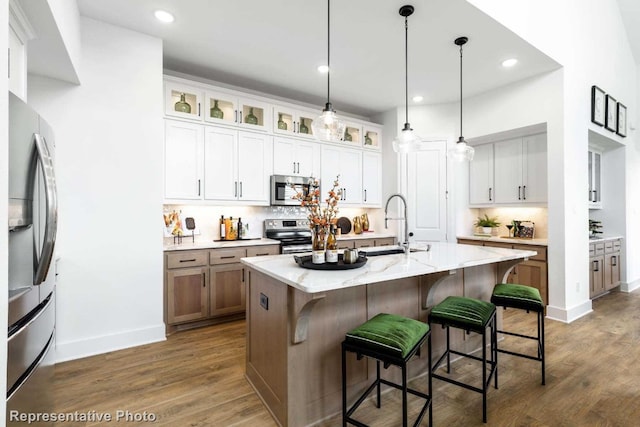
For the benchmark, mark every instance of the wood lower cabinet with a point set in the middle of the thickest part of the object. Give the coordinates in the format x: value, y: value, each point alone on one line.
x: 604, y: 262
x: 207, y: 286
x: 532, y: 272
x: 365, y: 243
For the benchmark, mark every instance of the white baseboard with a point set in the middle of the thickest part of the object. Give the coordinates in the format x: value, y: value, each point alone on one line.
x: 569, y: 315
x: 71, y: 350
x: 630, y: 287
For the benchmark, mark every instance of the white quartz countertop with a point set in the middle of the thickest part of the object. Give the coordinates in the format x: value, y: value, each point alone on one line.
x: 188, y: 245
x: 518, y: 241
x: 441, y: 257
x: 604, y: 238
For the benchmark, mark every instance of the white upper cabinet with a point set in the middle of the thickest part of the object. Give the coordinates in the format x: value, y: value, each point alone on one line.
x: 294, y: 157
x: 292, y: 121
x: 353, y: 134
x: 372, y: 137
x: 481, y: 191
x: 510, y: 172
x: 595, y: 173
x: 371, y: 179
x: 182, y: 101
x: 347, y: 163
x: 254, y: 153
x: 230, y: 109
x: 183, y: 160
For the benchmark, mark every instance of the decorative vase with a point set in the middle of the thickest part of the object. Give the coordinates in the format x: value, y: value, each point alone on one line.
x: 303, y: 127
x: 250, y: 118
x: 347, y: 135
x: 182, y: 106
x: 357, y: 225
x: 281, y: 124
x: 216, y: 112
x: 487, y: 230
x: 367, y: 139
x: 365, y: 222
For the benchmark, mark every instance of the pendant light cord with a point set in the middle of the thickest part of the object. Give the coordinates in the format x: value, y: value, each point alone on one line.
x: 406, y: 70
x: 461, y: 92
x: 328, y: 49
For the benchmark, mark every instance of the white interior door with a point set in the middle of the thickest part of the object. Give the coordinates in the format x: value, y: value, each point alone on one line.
x: 426, y: 190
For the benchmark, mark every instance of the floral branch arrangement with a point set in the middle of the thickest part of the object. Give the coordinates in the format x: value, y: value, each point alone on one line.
x: 310, y: 200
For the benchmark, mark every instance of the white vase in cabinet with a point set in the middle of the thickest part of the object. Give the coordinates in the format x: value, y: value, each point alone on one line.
x: 295, y: 157
x: 183, y: 101
x: 237, y: 165
x: 229, y: 109
x: 183, y: 156
x: 291, y: 121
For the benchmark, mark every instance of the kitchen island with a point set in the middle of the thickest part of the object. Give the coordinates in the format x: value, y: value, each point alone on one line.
x: 297, y: 318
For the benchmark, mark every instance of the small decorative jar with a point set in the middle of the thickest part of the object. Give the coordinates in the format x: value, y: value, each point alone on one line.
x: 281, y: 123
x: 367, y: 139
x: 303, y: 128
x: 347, y: 135
x: 251, y: 118
x: 182, y: 106
x: 216, y: 112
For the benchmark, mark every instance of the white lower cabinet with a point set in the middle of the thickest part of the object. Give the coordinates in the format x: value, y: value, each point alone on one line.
x: 293, y: 157
x: 347, y: 163
x: 237, y: 165
x: 183, y: 167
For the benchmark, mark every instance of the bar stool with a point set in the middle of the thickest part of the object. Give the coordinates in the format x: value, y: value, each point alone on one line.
x: 525, y: 298
x: 392, y: 340
x: 470, y: 315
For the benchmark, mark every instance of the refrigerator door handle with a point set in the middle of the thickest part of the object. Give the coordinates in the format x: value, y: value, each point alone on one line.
x: 45, y: 160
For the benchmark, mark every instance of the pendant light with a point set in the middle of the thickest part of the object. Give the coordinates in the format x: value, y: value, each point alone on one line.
x: 406, y: 141
x: 462, y: 151
x: 328, y: 126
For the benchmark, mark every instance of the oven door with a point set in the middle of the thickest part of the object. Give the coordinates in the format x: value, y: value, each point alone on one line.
x: 296, y: 249
x: 283, y: 191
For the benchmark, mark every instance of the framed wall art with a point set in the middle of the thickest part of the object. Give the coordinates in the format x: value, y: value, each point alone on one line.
x: 597, y: 105
x: 622, y: 120
x: 611, y: 114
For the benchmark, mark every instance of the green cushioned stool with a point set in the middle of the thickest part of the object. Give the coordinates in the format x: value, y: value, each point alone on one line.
x: 525, y: 298
x: 392, y: 340
x: 470, y: 315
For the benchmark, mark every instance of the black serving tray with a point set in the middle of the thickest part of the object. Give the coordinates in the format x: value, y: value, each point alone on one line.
x: 305, y: 262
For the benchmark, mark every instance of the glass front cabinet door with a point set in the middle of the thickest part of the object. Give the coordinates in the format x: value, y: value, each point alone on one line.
x: 183, y: 101
x: 372, y: 137
x: 290, y: 121
x: 229, y: 109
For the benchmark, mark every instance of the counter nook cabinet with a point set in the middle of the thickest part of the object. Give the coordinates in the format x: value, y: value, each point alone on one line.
x: 604, y: 257
x: 222, y: 145
x: 207, y: 286
x: 297, y: 318
x: 532, y: 272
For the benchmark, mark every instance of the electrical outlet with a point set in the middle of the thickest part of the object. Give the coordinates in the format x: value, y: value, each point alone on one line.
x: 264, y: 301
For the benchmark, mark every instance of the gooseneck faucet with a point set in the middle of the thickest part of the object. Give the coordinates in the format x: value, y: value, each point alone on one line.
x: 404, y: 244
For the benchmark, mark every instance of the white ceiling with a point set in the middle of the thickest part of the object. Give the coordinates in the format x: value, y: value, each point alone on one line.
x: 275, y: 46
x: 630, y: 11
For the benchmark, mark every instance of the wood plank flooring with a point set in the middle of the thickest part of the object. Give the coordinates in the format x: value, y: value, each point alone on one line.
x: 196, y: 378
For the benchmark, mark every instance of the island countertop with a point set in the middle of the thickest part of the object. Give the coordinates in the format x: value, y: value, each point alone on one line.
x: 442, y: 257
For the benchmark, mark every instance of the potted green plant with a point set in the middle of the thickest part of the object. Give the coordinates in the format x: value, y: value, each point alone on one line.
x: 487, y: 223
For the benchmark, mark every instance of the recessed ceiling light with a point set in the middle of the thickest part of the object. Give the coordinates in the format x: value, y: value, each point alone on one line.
x: 323, y: 68
x: 164, y: 16
x: 509, y: 62
x: 417, y: 98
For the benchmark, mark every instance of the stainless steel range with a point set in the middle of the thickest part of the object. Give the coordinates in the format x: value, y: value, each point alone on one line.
x: 294, y: 234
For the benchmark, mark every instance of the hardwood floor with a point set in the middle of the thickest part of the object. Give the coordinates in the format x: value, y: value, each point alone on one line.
x: 196, y: 378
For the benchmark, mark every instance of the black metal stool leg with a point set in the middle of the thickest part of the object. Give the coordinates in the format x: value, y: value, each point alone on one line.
x: 484, y: 376
x: 344, y: 387
x: 404, y: 395
x: 429, y: 382
x: 494, y: 341
x: 379, y: 403
x: 448, y: 354
x: 541, y: 345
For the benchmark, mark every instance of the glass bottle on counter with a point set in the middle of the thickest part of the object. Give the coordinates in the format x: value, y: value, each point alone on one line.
x: 331, y: 254
x: 317, y: 256
x: 239, y: 228
x: 182, y: 105
x: 222, y: 228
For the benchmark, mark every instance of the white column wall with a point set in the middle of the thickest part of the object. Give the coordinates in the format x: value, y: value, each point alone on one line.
x: 109, y: 139
x: 588, y: 38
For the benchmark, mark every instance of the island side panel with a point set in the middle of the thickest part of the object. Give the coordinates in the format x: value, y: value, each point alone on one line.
x: 315, y: 376
x: 267, y: 339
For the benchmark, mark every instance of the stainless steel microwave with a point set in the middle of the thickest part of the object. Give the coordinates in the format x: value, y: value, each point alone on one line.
x: 282, y: 191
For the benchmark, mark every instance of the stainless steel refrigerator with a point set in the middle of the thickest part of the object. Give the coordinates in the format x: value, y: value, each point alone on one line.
x: 32, y: 236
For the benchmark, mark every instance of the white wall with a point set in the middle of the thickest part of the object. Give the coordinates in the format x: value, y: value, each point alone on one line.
x: 4, y: 190
x: 588, y: 38
x: 109, y: 138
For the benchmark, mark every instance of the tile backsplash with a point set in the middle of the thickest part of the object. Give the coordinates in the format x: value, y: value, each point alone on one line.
x: 505, y: 215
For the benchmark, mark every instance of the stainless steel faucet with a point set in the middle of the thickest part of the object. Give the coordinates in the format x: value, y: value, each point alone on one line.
x: 404, y: 244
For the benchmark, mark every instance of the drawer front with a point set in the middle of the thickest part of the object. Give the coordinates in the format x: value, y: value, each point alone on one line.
x: 542, y: 251
x: 608, y: 246
x: 471, y: 242
x: 227, y: 256
x: 617, y: 245
x: 187, y: 259
x: 499, y: 245
x: 385, y: 241
x: 365, y: 243
x: 592, y: 250
x: 345, y: 244
x: 599, y: 248
x: 263, y: 250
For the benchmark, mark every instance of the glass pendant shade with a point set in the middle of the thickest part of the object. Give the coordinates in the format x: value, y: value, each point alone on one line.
x: 406, y: 141
x: 328, y: 126
x: 462, y: 151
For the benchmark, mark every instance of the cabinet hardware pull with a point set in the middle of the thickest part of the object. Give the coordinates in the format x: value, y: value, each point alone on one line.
x: 294, y: 167
x: 198, y: 187
x: 294, y: 127
x: 365, y: 195
x: 614, y: 261
x: 235, y: 190
x: 228, y: 257
x: 243, y: 275
x: 490, y: 199
x: 298, y: 163
x: 596, y: 265
x: 188, y: 260
x: 524, y: 192
x: 519, y: 192
x: 198, y: 108
x: 263, y: 254
x: 595, y: 195
x: 235, y: 116
x: 204, y: 280
x: 240, y: 188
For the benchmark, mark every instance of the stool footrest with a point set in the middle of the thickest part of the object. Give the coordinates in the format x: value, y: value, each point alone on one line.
x: 526, y: 356
x: 513, y: 334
